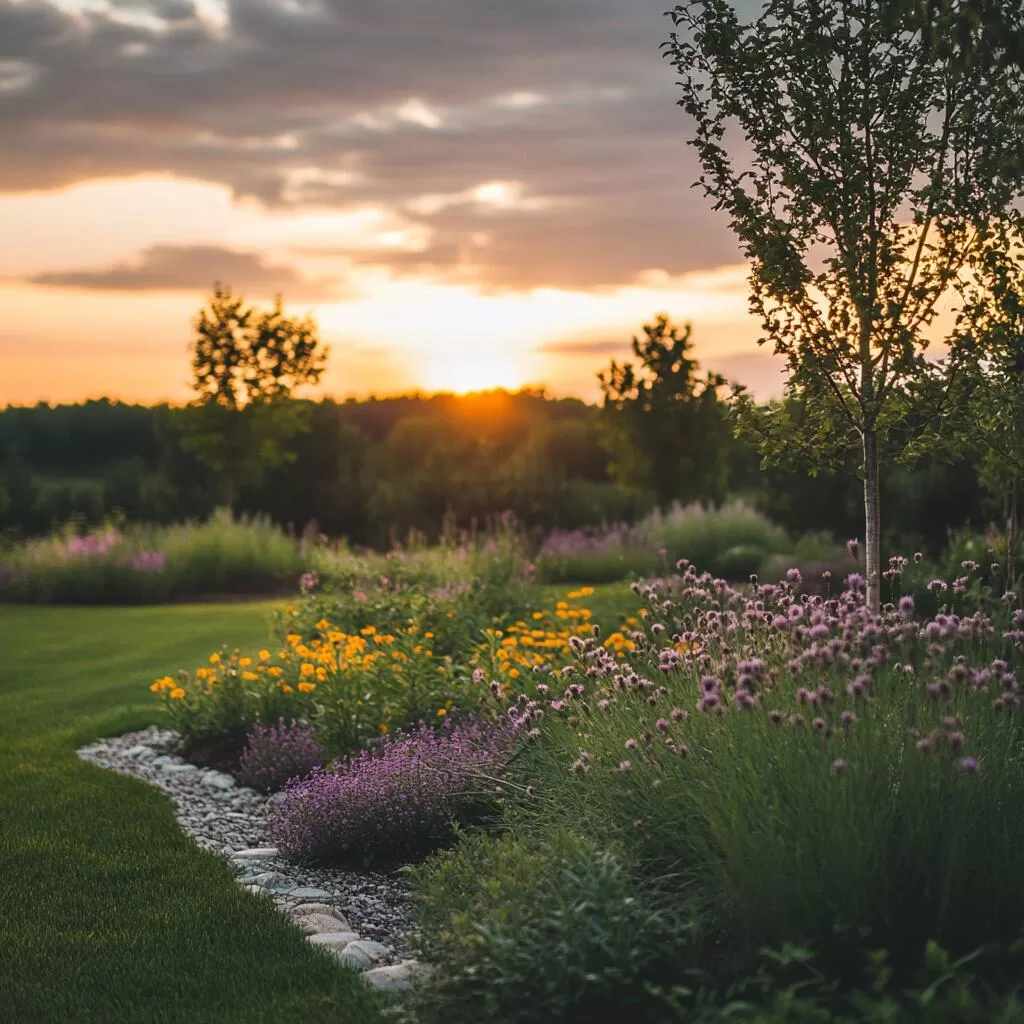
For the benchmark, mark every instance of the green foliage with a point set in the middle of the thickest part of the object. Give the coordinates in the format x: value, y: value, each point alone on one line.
x: 664, y: 430
x: 524, y: 930
x: 753, y: 820
x: 856, y: 211
x: 992, y: 326
x: 246, y: 365
x: 732, y: 541
x: 139, y: 563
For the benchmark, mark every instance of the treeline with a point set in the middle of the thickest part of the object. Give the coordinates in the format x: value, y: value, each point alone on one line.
x: 376, y: 469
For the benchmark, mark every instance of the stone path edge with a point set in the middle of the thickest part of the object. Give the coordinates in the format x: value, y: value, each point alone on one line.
x: 230, y: 820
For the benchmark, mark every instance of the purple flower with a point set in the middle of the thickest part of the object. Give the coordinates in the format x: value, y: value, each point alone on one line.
x: 853, y: 546
x: 308, y: 582
x: 793, y: 575
x: 938, y: 586
x: 625, y: 766
x: 906, y: 606
x: 969, y: 765
x: 276, y: 753
x: 838, y: 766
x: 631, y: 744
x: 397, y: 803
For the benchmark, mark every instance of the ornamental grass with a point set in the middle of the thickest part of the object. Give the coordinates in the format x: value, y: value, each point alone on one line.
x: 805, y: 770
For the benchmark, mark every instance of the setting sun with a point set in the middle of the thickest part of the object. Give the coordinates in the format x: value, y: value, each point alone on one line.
x: 462, y: 372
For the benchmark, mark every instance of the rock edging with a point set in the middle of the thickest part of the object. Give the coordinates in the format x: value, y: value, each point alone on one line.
x: 230, y: 820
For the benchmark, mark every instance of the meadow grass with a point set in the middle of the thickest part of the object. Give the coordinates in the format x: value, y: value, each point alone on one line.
x: 108, y: 913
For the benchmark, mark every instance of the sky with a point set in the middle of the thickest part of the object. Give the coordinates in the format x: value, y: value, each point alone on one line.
x: 463, y: 193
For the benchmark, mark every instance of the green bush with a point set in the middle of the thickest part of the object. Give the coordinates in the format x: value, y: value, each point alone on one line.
x: 522, y: 931
x: 139, y: 564
x: 709, y: 538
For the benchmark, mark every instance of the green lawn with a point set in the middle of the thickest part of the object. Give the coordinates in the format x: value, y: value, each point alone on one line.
x: 108, y: 914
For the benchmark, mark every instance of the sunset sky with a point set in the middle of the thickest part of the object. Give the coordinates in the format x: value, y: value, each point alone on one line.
x: 464, y: 193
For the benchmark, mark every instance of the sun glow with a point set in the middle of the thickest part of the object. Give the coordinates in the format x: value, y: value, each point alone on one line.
x: 466, y: 371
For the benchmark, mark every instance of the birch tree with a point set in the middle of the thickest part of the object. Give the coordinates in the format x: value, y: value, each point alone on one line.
x: 864, y: 166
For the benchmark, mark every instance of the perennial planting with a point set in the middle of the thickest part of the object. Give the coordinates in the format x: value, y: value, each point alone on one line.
x: 776, y: 762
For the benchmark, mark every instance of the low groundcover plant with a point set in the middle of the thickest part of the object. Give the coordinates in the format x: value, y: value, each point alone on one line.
x: 395, y: 803
x: 276, y: 753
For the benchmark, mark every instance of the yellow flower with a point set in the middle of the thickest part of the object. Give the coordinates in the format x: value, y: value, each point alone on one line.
x: 274, y: 670
x: 383, y: 727
x: 306, y: 670
x: 177, y: 693
x: 368, y: 630
x: 245, y: 662
x: 285, y: 688
x: 215, y: 658
x: 293, y: 638
x: 428, y: 636
x: 264, y: 655
x: 307, y: 687
x: 441, y: 712
x: 250, y: 677
x: 537, y: 616
x: 322, y: 625
x: 321, y: 674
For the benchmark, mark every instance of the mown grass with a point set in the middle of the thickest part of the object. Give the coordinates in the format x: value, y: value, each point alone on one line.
x: 108, y: 913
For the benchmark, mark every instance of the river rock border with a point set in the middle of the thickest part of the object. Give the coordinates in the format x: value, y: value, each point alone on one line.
x: 363, y: 919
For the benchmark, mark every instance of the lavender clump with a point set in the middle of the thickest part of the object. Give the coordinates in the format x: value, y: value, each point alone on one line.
x: 276, y: 753
x: 397, y: 803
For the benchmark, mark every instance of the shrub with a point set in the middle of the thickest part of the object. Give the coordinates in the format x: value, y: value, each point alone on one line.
x: 397, y: 802
x: 593, y: 554
x: 803, y: 768
x: 704, y: 536
x: 215, y: 707
x: 151, y: 563
x: 274, y: 754
x: 527, y: 931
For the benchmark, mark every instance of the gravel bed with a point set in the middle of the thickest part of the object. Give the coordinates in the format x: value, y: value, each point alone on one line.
x: 365, y: 918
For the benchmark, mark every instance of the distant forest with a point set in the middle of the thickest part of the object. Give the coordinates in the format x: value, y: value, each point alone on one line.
x: 374, y: 470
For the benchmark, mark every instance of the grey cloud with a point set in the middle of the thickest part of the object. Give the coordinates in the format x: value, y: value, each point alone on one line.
x: 113, y: 96
x: 191, y: 268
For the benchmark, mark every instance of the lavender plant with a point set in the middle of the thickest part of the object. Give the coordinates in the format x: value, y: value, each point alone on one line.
x: 276, y: 753
x: 398, y: 802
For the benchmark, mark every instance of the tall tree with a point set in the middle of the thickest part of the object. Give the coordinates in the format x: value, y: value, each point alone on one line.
x: 991, y: 325
x: 664, y: 428
x: 863, y: 168
x: 246, y: 365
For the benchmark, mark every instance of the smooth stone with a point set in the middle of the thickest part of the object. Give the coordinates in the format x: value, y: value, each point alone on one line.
x: 374, y: 950
x: 314, y: 908
x: 315, y: 924
x: 218, y: 780
x: 178, y: 769
x: 256, y: 890
x: 271, y: 879
x: 333, y: 940
x: 397, y: 977
x: 139, y: 751
x: 311, y: 893
x: 256, y: 853
x: 352, y: 956
x: 165, y: 759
